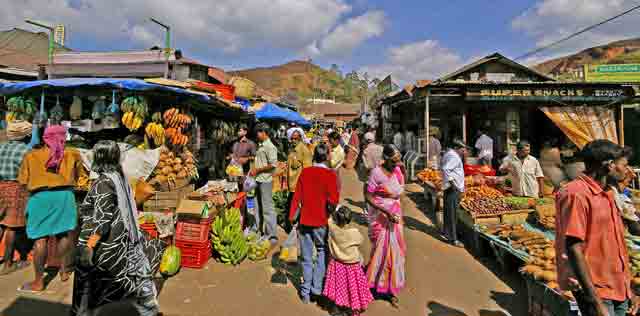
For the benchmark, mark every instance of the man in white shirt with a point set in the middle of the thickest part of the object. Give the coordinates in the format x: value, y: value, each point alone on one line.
x: 453, y: 186
x: 337, y: 153
x: 409, y: 140
x: 527, y: 178
x: 398, y: 140
x: 484, y: 145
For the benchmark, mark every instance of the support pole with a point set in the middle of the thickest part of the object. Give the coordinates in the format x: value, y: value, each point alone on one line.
x: 621, y: 125
x: 464, y: 126
x: 427, y: 126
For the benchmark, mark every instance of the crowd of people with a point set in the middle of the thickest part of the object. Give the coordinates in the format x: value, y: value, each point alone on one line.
x: 98, y: 238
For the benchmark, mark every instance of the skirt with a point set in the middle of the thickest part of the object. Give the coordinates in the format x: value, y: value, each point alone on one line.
x: 346, y: 285
x: 13, y: 198
x: 50, y: 213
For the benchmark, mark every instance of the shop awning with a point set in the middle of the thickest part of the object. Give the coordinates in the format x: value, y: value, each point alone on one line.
x: 271, y: 111
x: 583, y: 124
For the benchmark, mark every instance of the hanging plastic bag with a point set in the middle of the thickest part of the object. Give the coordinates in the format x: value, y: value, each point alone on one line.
x: 289, y: 250
x: 234, y: 169
x: 249, y: 184
x: 76, y: 108
x: 99, y: 107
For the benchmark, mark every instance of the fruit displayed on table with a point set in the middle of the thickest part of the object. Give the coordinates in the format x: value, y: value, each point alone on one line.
x: 484, y: 200
x: 21, y: 108
x: 172, y: 167
x: 258, y: 249
x: 431, y: 175
x: 482, y: 191
x: 520, y: 203
x: 234, y: 170
x: 633, y: 249
x: 170, y: 262
x: 546, y: 215
x: 548, y: 222
x: 227, y: 237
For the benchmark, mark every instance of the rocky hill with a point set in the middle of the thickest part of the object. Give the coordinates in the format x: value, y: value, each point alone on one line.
x: 304, y: 80
x: 620, y: 52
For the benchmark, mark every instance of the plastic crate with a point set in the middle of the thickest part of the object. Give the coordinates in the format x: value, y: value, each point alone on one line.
x: 193, y: 232
x: 151, y: 230
x: 194, y: 255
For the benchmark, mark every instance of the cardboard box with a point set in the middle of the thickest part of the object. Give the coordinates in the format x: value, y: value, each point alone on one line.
x: 193, y: 207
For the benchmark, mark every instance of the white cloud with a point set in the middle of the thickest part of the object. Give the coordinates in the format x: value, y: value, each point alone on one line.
x: 550, y: 20
x: 201, y: 25
x: 343, y: 39
x: 416, y: 61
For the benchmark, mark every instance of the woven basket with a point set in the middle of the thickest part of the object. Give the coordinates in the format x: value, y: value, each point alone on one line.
x: 244, y: 87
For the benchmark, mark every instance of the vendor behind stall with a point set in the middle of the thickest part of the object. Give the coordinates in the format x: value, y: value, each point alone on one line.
x: 243, y: 150
x: 484, y: 146
x: 526, y: 174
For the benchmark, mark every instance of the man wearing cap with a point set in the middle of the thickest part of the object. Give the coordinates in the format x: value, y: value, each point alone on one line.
x: 13, y: 196
x: 372, y: 153
x: 453, y: 186
x: 525, y: 171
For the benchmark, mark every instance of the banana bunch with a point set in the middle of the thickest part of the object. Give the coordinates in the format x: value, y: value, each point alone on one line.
x: 21, y: 108
x: 173, y: 118
x: 132, y: 121
x: 257, y: 249
x: 136, y: 104
x: 227, y: 237
x: 176, y: 137
x: 155, y: 131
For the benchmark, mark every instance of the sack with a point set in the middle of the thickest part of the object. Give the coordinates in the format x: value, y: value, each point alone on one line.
x: 249, y: 184
x: 143, y: 191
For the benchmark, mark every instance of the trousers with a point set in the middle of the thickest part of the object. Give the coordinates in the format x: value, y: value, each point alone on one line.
x: 451, y: 202
x: 266, y: 219
x: 313, y: 273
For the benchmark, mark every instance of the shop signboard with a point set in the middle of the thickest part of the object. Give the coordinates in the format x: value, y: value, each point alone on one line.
x: 547, y: 94
x: 612, y: 73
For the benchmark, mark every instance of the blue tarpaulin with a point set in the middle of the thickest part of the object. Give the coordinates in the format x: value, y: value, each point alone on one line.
x: 111, y: 83
x: 271, y: 111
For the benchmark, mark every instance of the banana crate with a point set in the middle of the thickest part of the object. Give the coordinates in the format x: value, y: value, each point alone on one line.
x: 162, y: 201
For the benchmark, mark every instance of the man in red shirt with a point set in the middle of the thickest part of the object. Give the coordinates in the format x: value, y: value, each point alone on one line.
x: 316, y: 193
x: 591, y: 254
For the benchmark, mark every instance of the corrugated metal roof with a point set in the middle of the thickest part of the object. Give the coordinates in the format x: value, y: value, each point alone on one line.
x: 19, y: 72
x: 24, y: 49
x: 218, y: 74
x: 494, y: 57
x: 120, y: 57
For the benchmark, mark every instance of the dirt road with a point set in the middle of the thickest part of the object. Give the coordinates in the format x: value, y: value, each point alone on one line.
x: 441, y: 281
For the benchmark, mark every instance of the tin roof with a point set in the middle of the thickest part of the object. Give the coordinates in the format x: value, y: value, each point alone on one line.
x: 498, y: 58
x: 119, y: 57
x: 24, y: 49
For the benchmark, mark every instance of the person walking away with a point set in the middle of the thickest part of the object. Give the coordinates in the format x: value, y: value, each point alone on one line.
x: 453, y: 187
x: 591, y: 255
x: 115, y: 262
x: 346, y: 284
x: 371, y: 158
x: 525, y: 171
x: 435, y: 148
x: 266, y: 223
x: 50, y: 173
x: 386, y: 268
x: 484, y: 146
x: 337, y: 153
x: 13, y: 198
x: 316, y: 193
x: 409, y: 140
x: 353, y: 149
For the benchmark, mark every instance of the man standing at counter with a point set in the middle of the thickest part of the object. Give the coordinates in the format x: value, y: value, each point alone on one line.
x: 526, y: 174
x: 453, y: 186
x: 265, y: 164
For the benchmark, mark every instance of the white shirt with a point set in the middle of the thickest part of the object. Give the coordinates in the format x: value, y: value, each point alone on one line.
x: 398, y: 140
x: 524, y: 175
x: 452, y: 171
x: 409, y: 141
x: 484, y: 144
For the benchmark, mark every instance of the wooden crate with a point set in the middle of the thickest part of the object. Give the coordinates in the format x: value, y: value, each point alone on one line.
x: 515, y: 217
x: 162, y: 201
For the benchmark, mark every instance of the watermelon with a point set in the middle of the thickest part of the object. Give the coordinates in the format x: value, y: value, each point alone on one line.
x: 170, y: 263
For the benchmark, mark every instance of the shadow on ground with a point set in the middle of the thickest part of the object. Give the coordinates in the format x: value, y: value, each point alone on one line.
x: 285, y: 273
x: 437, y: 309
x: 27, y: 306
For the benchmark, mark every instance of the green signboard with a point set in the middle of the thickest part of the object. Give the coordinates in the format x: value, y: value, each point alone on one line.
x: 612, y: 73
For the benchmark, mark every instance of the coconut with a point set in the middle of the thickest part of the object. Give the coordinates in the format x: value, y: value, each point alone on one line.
x: 181, y: 174
x: 177, y: 168
x: 166, y: 170
x: 178, y: 160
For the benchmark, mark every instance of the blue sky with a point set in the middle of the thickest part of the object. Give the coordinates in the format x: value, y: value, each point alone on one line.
x: 411, y: 39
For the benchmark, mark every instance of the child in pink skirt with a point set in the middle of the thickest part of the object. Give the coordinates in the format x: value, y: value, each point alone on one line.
x: 345, y: 283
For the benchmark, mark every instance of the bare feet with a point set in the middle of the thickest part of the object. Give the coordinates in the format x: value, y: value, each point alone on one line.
x: 64, y: 276
x: 395, y: 302
x: 32, y: 287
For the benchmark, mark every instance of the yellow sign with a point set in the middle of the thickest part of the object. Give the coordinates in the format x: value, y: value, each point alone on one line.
x: 532, y: 93
x: 612, y: 73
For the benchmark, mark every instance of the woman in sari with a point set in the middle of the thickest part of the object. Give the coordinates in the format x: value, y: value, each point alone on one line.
x: 353, y: 150
x: 115, y: 262
x: 386, y: 271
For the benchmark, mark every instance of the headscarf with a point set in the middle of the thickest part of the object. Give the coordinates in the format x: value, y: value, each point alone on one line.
x: 127, y: 205
x: 303, y: 136
x: 18, y: 130
x: 55, y: 136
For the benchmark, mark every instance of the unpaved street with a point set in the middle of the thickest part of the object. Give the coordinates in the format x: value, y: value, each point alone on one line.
x: 442, y: 280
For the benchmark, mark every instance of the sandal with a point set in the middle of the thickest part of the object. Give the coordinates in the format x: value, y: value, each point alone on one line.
x: 395, y: 302
x: 27, y: 288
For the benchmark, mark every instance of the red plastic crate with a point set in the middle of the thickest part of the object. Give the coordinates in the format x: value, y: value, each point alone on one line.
x: 194, y: 255
x: 151, y: 230
x: 192, y: 232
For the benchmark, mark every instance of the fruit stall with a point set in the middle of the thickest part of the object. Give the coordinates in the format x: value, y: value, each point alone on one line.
x: 516, y: 231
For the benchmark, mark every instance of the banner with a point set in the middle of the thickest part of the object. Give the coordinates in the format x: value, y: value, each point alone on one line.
x: 583, y: 124
x: 612, y: 73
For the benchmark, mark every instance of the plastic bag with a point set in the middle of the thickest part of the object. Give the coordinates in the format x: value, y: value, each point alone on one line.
x: 289, y: 250
x: 249, y: 184
x: 234, y: 169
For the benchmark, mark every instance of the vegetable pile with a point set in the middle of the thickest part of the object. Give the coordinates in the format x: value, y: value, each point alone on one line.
x: 430, y: 175
x: 484, y: 200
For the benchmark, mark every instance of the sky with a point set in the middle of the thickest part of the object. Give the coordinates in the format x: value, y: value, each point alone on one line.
x: 409, y: 39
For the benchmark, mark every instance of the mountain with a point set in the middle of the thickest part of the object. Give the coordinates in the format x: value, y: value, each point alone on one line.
x: 620, y: 52
x: 304, y: 80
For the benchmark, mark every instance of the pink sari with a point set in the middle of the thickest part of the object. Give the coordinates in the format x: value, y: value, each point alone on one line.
x: 386, y: 271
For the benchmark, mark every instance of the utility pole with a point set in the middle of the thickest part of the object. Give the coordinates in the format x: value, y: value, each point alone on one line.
x: 167, y: 43
x: 51, y: 42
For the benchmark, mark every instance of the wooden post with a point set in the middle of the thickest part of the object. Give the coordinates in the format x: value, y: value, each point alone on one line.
x: 621, y: 125
x: 427, y: 126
